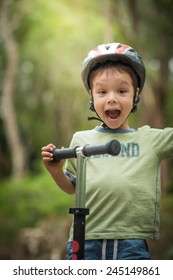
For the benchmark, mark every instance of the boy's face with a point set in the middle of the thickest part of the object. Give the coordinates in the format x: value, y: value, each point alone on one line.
x: 113, y: 94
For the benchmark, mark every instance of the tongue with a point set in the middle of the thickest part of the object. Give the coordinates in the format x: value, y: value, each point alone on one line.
x: 113, y: 114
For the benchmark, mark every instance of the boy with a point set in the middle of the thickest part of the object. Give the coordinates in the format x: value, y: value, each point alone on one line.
x: 122, y: 192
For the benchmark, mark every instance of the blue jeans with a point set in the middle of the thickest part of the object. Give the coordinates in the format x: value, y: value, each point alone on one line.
x: 109, y: 249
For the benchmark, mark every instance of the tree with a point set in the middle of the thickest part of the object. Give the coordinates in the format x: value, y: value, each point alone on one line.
x: 50, y: 41
x: 16, y: 147
x: 153, y: 19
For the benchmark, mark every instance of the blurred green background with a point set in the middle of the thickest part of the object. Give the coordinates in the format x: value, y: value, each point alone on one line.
x: 42, y: 100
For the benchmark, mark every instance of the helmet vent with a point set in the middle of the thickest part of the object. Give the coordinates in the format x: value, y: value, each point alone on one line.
x: 107, y: 47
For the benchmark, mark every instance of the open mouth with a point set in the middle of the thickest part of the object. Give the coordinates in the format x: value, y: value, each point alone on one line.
x: 112, y: 114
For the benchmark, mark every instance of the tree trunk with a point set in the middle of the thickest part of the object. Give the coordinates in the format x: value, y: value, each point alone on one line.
x: 16, y: 147
x: 108, y: 11
x: 154, y: 98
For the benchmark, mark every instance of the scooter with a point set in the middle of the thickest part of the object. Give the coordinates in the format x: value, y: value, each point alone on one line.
x: 80, y: 212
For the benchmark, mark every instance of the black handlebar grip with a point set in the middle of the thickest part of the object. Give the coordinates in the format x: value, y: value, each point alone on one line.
x: 59, y: 154
x: 112, y: 147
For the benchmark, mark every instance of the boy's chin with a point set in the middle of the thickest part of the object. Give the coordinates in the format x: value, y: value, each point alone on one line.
x: 112, y: 124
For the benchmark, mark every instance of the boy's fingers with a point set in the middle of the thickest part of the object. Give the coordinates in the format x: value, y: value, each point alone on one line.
x: 47, y: 155
x: 49, y: 147
x: 47, y: 159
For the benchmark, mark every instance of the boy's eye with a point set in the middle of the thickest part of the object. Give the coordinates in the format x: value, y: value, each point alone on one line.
x: 102, y: 92
x: 121, y: 91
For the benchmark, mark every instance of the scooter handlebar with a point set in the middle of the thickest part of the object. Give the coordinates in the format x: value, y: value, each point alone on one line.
x: 112, y: 147
x: 59, y: 154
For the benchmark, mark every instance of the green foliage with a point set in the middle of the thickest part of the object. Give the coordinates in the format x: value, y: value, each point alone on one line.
x: 162, y: 249
x: 53, y: 37
x: 25, y: 202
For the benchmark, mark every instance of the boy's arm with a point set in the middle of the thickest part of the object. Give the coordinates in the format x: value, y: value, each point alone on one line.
x: 56, y: 171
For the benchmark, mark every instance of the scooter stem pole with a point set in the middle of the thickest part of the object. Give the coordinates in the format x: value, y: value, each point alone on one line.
x: 79, y: 212
x: 80, y: 179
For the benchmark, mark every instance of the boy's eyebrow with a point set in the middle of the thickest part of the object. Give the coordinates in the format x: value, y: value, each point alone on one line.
x: 123, y: 82
x: 99, y: 83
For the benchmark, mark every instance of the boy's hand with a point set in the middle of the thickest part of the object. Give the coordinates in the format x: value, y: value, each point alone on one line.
x: 56, y: 170
x: 47, y: 158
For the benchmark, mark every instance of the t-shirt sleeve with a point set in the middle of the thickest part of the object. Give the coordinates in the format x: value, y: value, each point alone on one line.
x: 70, y: 165
x: 161, y: 141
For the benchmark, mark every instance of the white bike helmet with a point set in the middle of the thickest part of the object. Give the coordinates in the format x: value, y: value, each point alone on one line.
x: 113, y: 52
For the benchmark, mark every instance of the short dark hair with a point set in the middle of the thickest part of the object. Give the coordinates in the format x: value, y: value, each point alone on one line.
x: 118, y: 65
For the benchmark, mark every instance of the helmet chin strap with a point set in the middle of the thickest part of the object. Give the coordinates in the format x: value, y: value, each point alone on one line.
x: 98, y: 119
x: 93, y: 110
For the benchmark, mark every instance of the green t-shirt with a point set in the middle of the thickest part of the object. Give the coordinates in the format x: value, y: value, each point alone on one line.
x: 123, y: 192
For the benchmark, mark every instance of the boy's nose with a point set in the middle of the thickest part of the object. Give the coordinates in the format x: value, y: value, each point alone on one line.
x: 112, y: 97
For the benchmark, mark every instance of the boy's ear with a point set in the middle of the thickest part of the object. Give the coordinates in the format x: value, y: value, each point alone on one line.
x: 91, y: 101
x: 136, y: 100
x: 92, y: 105
x: 137, y: 97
